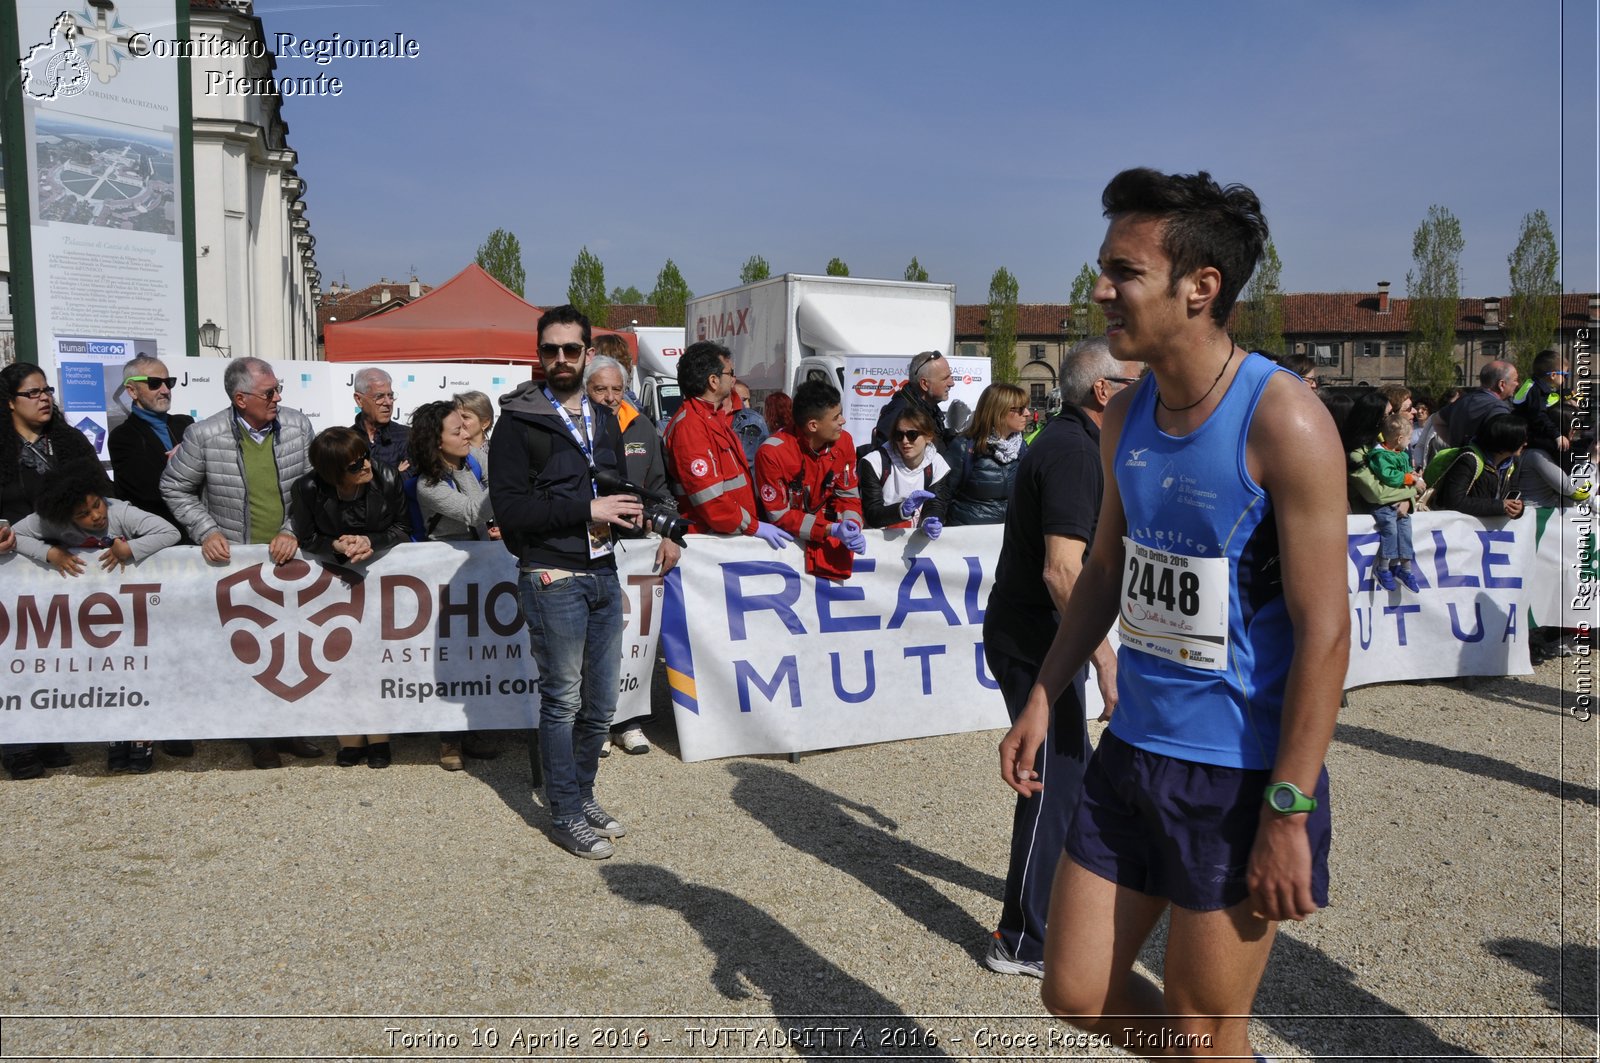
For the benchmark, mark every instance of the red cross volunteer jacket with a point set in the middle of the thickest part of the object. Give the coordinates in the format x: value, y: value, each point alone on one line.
x: 804, y: 492
x: 705, y: 465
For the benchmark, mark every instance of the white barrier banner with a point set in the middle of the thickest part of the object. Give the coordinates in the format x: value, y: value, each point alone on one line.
x: 1469, y: 618
x: 428, y: 637
x: 324, y: 391
x: 777, y: 662
x: 1563, y: 593
x: 763, y: 658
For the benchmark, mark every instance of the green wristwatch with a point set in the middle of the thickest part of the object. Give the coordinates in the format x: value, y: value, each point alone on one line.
x: 1285, y: 798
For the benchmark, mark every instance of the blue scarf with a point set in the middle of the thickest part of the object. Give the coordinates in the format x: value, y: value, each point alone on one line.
x: 156, y: 421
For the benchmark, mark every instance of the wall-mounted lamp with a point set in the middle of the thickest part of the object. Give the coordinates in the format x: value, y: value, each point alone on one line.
x: 210, y: 334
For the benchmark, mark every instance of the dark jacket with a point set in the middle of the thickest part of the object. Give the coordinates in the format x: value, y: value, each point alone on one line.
x: 1465, y: 489
x: 1542, y: 416
x: 138, y: 459
x: 539, y: 480
x: 19, y: 484
x: 641, y: 445
x: 980, y: 486
x: 1466, y: 415
x: 379, y: 512
x: 907, y: 396
x: 389, y: 446
x: 881, y: 514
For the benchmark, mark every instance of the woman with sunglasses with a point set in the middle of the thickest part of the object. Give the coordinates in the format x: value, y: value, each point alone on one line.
x: 984, y: 457
x: 905, y: 483
x: 347, y: 508
x: 37, y: 442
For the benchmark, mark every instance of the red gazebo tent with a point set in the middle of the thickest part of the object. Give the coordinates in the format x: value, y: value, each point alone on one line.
x: 470, y: 318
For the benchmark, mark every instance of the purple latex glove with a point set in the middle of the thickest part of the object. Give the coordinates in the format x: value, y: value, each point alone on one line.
x: 773, y: 535
x: 849, y: 532
x: 913, y: 502
x: 932, y: 527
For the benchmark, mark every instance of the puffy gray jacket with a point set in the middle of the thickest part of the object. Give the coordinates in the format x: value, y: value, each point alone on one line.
x: 203, y: 484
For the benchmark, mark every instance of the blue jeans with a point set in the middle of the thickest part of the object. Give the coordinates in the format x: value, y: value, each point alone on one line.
x: 1394, y: 533
x: 575, y: 635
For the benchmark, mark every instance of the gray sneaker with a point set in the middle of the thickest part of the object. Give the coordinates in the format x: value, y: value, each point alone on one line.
x: 1000, y: 959
x: 600, y: 821
x: 578, y: 838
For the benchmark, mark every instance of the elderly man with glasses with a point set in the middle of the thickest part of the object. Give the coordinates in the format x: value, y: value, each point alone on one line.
x: 928, y: 381
x: 140, y: 446
x: 385, y: 436
x: 229, y: 482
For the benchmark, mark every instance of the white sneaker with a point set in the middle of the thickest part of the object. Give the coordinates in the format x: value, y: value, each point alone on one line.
x: 633, y: 741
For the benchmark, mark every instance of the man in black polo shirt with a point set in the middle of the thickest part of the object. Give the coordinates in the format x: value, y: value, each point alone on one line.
x: 1049, y: 526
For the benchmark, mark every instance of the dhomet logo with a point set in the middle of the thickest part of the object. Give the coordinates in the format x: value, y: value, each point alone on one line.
x: 291, y: 623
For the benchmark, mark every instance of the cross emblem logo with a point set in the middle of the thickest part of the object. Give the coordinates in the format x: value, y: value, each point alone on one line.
x: 103, y: 40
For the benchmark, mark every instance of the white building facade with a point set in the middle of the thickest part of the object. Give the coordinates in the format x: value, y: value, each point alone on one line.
x: 257, y: 279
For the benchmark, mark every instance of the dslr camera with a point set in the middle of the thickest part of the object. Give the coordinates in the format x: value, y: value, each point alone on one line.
x: 660, y: 514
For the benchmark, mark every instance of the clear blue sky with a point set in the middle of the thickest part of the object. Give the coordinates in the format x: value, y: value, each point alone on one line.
x: 969, y: 136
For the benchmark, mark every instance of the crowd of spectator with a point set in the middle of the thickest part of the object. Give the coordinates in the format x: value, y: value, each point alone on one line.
x: 786, y: 472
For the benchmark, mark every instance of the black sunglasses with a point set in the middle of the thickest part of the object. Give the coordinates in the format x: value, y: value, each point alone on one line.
x: 360, y: 463
x: 571, y: 350
x: 154, y: 382
x: 910, y: 435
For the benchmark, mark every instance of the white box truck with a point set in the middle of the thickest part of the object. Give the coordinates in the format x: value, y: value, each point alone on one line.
x: 656, y: 369
x: 788, y: 329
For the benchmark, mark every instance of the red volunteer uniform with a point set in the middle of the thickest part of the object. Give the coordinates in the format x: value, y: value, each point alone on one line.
x: 803, y: 492
x: 705, y: 464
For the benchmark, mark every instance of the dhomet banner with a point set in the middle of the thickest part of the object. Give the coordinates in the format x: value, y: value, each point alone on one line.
x: 430, y: 637
x: 102, y: 147
x: 427, y: 637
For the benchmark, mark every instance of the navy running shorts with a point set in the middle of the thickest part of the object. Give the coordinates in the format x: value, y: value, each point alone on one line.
x: 1179, y: 829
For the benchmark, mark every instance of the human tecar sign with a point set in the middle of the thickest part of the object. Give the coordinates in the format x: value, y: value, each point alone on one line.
x: 95, y: 204
x: 783, y: 330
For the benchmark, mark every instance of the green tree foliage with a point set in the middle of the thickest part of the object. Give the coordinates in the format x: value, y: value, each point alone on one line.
x: 1534, y: 309
x: 755, y: 268
x: 914, y: 271
x: 1434, y: 290
x: 629, y: 296
x: 670, y: 295
x: 586, y: 288
x: 837, y: 268
x: 1000, y: 328
x: 1258, y: 316
x: 501, y: 257
x: 1088, y: 319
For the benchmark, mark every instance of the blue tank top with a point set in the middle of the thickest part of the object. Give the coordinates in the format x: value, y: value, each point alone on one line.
x: 1208, y: 686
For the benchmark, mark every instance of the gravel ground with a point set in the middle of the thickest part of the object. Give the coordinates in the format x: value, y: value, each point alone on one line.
x: 209, y: 909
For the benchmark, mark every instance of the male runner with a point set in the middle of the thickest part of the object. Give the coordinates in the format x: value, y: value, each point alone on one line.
x: 1223, y: 548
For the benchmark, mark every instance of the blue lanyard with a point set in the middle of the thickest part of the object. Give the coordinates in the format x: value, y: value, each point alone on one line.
x: 588, y: 428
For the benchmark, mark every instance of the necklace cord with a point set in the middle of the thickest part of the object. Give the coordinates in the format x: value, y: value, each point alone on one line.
x: 1179, y: 409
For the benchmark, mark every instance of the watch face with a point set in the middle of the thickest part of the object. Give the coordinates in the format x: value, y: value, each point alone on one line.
x: 1282, y: 800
